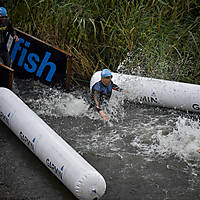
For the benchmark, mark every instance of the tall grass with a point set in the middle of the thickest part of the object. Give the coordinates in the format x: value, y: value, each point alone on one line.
x: 156, y: 38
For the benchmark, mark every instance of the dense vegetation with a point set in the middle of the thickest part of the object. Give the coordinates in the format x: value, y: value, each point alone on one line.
x: 155, y: 38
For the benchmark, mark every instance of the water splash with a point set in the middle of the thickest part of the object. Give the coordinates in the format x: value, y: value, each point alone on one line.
x: 180, y: 141
x: 143, y: 131
x: 51, y: 101
x: 183, y: 141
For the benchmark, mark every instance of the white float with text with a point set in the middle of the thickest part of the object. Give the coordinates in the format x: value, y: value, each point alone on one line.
x: 171, y: 94
x: 76, y: 173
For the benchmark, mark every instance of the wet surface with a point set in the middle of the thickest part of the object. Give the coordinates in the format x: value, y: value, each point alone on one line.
x: 143, y: 153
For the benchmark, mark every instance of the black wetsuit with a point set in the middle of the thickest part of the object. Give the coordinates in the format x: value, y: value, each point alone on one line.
x: 103, y: 93
x: 6, y: 29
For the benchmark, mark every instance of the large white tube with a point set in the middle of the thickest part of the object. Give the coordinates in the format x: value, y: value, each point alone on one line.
x: 157, y: 92
x: 63, y: 161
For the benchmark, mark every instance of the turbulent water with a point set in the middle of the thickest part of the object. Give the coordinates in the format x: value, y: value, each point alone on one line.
x: 143, y: 152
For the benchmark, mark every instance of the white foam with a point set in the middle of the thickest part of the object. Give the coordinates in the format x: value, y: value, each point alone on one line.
x: 52, y: 102
x: 146, y: 132
x: 183, y: 141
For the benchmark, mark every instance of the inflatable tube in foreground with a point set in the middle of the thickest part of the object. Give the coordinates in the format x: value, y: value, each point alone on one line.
x: 157, y: 92
x: 63, y: 161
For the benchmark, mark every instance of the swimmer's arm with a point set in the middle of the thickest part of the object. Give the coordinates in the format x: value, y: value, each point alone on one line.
x: 104, y: 116
x: 96, y: 100
x: 99, y: 110
x: 117, y: 88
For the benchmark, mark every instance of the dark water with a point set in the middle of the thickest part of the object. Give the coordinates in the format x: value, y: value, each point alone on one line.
x: 143, y: 153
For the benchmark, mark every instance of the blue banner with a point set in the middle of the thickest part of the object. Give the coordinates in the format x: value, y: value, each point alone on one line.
x: 32, y: 57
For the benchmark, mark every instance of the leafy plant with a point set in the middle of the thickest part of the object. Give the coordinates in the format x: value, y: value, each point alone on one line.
x: 158, y: 39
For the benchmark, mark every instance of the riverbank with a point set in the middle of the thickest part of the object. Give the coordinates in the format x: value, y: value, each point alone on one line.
x: 153, y: 38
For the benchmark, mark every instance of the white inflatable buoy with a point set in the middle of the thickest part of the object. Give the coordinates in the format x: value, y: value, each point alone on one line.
x: 64, y: 162
x: 157, y: 92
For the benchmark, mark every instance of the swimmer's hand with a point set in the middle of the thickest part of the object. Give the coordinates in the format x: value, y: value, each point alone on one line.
x: 104, y: 116
x: 198, y: 150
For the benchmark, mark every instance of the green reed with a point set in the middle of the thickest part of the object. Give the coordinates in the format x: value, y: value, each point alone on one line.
x: 157, y: 38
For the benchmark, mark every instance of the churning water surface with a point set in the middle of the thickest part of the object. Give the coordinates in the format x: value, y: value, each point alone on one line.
x: 143, y: 152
